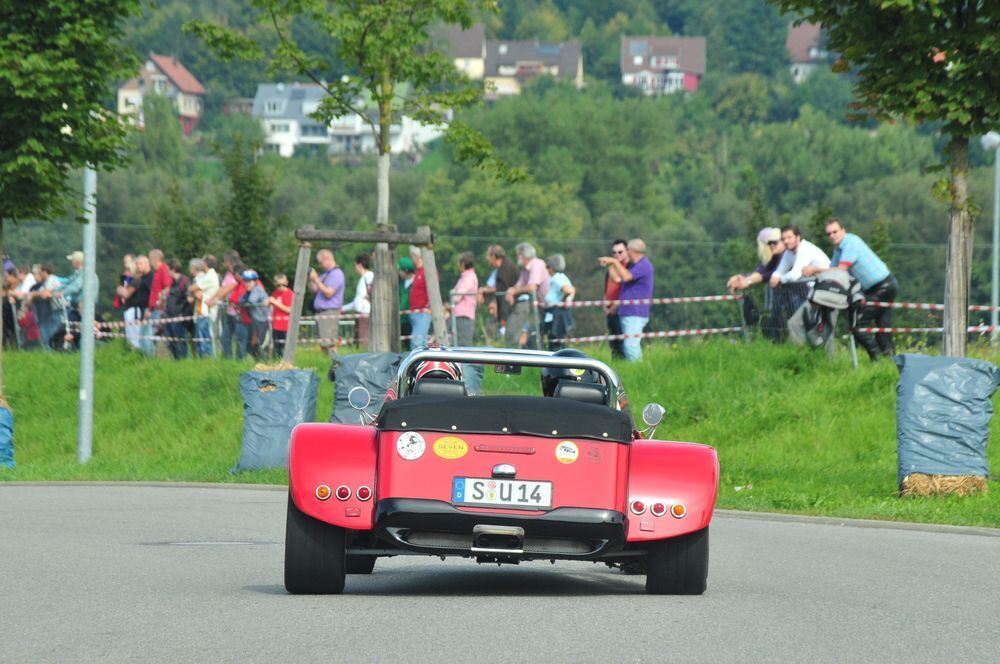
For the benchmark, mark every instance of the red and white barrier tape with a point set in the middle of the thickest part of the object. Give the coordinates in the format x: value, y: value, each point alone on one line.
x: 651, y: 335
x: 925, y: 306
x: 915, y: 330
x: 650, y: 300
x: 151, y: 337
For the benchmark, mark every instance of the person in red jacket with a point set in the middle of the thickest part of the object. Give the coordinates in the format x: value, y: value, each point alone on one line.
x: 420, y: 321
x: 281, y: 303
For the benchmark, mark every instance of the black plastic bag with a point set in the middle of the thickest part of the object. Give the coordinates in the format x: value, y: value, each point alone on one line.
x: 273, y: 403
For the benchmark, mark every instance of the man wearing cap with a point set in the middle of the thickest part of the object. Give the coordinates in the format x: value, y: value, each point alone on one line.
x: 852, y: 254
x: 255, y: 302
x: 328, y: 284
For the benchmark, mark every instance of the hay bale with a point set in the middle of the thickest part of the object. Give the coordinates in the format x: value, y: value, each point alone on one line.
x: 280, y: 366
x: 920, y: 484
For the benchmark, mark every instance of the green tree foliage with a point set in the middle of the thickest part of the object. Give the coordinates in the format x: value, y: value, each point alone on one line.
x: 57, y: 59
x: 178, y: 227
x: 928, y: 61
x: 743, y: 99
x: 160, y: 142
x: 247, y: 224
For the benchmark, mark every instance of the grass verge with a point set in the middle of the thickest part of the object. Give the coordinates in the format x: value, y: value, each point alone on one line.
x: 796, y: 432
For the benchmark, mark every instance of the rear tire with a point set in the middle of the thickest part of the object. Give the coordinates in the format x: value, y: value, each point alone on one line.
x: 360, y: 564
x: 678, y: 566
x: 314, y: 555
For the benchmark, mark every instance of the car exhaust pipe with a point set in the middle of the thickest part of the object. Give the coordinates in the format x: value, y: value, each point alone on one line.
x: 497, y: 539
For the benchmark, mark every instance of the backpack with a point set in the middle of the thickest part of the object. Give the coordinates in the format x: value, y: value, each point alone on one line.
x: 817, y: 324
x: 834, y: 289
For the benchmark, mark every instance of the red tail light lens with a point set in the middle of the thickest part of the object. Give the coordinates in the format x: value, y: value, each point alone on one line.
x: 658, y: 509
x: 638, y: 507
x: 363, y: 493
x: 343, y: 492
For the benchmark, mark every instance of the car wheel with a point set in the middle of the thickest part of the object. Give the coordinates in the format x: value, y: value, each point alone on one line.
x: 360, y: 564
x: 314, y: 555
x: 678, y: 566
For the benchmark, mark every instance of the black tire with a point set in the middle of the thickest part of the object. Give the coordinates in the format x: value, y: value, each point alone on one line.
x: 678, y: 566
x: 314, y: 555
x: 360, y: 564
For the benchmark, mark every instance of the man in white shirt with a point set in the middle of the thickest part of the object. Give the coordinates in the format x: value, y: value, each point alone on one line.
x: 202, y: 292
x: 798, y: 254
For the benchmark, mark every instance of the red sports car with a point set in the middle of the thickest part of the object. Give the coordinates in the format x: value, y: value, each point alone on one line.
x: 564, y: 475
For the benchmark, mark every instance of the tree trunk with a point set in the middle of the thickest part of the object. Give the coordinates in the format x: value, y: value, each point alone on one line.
x: 383, y: 333
x: 956, y: 293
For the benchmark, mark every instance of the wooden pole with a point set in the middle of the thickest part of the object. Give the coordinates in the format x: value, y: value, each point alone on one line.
x: 383, y: 325
x: 420, y: 238
x: 299, y: 290
x: 434, y: 291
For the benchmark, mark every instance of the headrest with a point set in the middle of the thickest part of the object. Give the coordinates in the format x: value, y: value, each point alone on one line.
x: 439, y: 387
x: 585, y: 392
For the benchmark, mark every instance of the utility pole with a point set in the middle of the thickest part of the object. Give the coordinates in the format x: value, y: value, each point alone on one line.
x: 85, y: 433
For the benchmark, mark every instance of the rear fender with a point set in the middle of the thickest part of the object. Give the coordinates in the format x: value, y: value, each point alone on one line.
x: 670, y: 473
x: 334, y: 455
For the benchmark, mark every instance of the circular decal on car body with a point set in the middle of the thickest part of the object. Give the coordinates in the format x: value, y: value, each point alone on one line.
x: 567, y: 451
x: 410, y: 445
x: 450, y: 447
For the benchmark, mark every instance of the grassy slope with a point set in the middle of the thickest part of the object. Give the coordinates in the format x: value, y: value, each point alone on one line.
x: 795, y: 431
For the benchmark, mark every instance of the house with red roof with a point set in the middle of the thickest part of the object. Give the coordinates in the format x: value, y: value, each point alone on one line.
x: 164, y: 75
x: 663, y: 65
x: 805, y: 49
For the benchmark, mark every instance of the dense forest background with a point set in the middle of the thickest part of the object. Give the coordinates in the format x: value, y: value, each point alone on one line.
x: 695, y: 175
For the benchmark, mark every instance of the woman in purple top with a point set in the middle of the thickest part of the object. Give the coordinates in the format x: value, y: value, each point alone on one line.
x: 637, y: 284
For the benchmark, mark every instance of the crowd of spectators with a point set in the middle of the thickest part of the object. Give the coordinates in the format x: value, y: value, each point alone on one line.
x: 202, y: 308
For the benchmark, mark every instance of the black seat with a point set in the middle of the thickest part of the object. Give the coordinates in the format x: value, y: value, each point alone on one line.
x: 439, y: 387
x: 585, y: 392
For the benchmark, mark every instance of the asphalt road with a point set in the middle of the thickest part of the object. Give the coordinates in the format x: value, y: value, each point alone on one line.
x: 126, y: 573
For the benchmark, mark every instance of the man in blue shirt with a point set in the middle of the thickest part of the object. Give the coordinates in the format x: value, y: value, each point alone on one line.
x: 877, y: 283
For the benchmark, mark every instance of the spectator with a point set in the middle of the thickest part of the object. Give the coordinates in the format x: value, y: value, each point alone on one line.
x: 406, y: 271
x: 254, y: 302
x: 770, y: 250
x: 533, y: 280
x: 124, y: 279
x: 46, y: 305
x: 464, y: 300
x: 612, y: 289
x: 241, y: 330
x: 157, y: 293
x: 852, y: 254
x: 176, y: 305
x: 229, y: 316
x: 329, y: 288
x: 27, y: 275
x: 505, y: 276
x: 362, y: 304
x: 637, y: 284
x: 10, y: 331
x: 201, y: 292
x: 136, y: 299
x: 72, y: 291
x: 558, y: 319
x: 798, y: 255
x: 281, y: 301
x: 419, y: 320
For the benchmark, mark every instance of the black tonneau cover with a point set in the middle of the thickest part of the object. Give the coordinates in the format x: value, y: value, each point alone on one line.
x: 532, y: 416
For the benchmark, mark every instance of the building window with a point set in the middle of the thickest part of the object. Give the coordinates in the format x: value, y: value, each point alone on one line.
x: 502, y: 49
x: 273, y: 106
x: 280, y: 128
x: 314, y: 130
x: 637, y: 59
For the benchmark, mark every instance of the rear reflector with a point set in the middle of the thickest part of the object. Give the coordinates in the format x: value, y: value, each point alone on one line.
x: 363, y: 493
x: 343, y: 492
x: 323, y: 492
x: 638, y: 507
x: 658, y: 509
x: 678, y: 511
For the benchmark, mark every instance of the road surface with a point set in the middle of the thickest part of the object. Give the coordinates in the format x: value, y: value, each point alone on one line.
x: 179, y: 573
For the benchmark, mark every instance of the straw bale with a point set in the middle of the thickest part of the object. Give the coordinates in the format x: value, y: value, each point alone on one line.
x: 920, y: 484
x: 280, y: 366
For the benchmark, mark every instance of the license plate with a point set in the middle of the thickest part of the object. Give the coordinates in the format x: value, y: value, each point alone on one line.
x: 515, y: 494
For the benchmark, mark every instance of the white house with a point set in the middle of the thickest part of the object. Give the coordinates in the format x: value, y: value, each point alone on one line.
x: 284, y: 111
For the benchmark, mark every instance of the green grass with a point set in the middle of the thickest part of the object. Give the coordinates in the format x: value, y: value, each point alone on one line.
x: 796, y: 432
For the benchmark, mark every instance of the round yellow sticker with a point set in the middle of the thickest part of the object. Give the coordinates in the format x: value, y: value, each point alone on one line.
x: 567, y: 451
x: 450, y: 447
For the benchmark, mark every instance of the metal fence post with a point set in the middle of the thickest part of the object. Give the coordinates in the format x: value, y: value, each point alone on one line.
x: 743, y: 318
x: 536, y: 322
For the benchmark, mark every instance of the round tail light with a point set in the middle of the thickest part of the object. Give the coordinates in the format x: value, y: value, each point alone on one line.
x: 638, y: 507
x: 323, y: 491
x: 363, y: 493
x: 678, y: 511
x: 343, y: 492
x: 658, y: 509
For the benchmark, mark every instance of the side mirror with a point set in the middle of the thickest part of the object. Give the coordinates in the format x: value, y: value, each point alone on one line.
x: 652, y: 414
x: 359, y: 398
